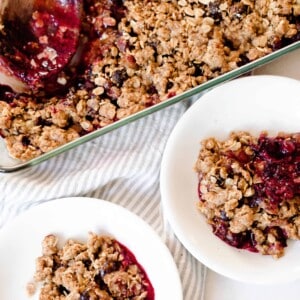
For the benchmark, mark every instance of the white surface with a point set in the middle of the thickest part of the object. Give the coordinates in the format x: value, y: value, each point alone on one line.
x: 222, y: 288
x: 20, y: 242
x: 288, y: 65
x: 251, y: 103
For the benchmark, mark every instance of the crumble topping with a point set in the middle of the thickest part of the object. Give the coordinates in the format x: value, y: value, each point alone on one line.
x: 249, y: 190
x: 138, y: 53
x: 100, y: 269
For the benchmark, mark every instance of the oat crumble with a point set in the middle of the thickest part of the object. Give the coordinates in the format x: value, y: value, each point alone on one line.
x: 100, y: 269
x: 249, y: 190
x: 138, y: 53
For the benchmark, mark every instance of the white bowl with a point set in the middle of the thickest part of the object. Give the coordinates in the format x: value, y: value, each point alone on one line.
x: 253, y: 104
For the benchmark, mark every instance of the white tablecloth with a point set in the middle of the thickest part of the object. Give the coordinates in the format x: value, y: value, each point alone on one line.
x: 123, y: 167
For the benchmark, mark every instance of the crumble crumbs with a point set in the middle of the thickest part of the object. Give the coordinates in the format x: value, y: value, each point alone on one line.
x: 249, y: 190
x: 100, y: 269
x: 138, y: 53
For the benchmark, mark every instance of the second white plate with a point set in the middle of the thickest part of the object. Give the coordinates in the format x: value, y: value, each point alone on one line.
x: 20, y: 242
x: 251, y: 103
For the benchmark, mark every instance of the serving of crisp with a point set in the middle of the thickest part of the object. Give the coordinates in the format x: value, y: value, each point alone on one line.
x: 249, y: 190
x: 102, y: 269
x: 132, y: 55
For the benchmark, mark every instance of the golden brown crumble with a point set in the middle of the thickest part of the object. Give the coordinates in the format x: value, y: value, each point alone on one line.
x: 100, y: 269
x: 249, y: 190
x: 140, y: 53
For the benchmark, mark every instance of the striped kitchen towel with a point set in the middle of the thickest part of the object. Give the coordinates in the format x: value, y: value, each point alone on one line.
x: 122, y: 167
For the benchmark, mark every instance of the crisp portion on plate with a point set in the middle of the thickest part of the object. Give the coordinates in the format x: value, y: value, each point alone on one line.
x: 253, y: 104
x: 21, y: 240
x: 249, y: 190
x: 101, y: 268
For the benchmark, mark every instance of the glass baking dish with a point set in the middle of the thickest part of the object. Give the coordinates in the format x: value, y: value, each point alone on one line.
x: 8, y: 164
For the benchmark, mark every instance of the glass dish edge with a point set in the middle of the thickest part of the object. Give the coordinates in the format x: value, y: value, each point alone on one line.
x: 16, y: 165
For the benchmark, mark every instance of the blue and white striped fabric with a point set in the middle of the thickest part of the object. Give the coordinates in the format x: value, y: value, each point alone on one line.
x: 122, y: 167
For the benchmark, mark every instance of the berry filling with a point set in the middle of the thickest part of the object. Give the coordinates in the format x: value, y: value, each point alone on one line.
x: 36, y: 51
x: 277, y: 163
x: 244, y: 240
x: 130, y: 259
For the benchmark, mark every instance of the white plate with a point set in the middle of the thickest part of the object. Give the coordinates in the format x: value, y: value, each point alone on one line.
x: 254, y: 104
x: 20, y: 242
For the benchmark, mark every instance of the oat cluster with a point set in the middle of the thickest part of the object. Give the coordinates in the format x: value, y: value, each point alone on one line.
x: 139, y: 53
x: 250, y: 194
x: 96, y: 270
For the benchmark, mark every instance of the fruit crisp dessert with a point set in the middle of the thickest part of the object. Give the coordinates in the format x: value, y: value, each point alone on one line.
x: 249, y: 190
x: 131, y: 55
x: 100, y: 269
